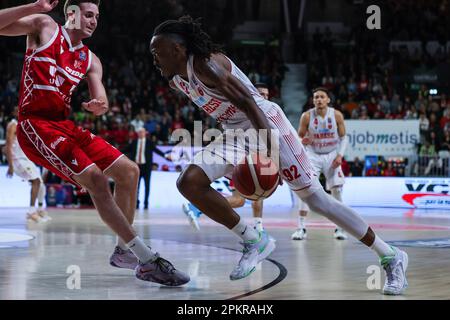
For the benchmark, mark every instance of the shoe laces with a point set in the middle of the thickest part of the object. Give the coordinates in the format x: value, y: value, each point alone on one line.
x: 163, y: 264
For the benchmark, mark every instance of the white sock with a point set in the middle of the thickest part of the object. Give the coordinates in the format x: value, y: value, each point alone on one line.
x: 381, y: 248
x: 140, y: 250
x: 245, y: 232
x: 301, y: 222
x: 32, y: 209
x: 258, y: 221
x: 120, y: 243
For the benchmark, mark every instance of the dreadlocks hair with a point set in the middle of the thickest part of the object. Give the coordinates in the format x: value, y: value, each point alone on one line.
x: 188, y: 32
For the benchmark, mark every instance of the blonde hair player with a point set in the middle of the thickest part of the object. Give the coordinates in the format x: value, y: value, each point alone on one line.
x: 185, y: 55
x: 19, y: 164
x: 322, y: 130
x: 235, y: 200
x: 56, y: 61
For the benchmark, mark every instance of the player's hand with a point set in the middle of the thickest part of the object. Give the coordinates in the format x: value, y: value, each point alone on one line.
x: 95, y: 106
x: 45, y: 5
x: 168, y: 157
x: 337, y: 162
x: 306, y: 140
x: 10, y: 172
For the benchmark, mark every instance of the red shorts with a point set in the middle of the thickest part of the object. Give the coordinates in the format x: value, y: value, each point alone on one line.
x: 63, y: 148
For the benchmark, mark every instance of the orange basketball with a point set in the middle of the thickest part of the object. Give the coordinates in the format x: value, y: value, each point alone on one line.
x: 256, y: 177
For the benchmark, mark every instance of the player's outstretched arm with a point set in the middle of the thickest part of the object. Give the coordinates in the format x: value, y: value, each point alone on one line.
x: 99, y: 100
x: 27, y: 19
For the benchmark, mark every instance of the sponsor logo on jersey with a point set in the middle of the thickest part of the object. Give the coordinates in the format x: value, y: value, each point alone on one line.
x: 54, y: 144
x: 75, y: 162
x: 330, y: 124
x: 74, y: 73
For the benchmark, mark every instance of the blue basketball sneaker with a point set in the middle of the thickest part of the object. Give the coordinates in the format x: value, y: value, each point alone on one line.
x: 192, y: 214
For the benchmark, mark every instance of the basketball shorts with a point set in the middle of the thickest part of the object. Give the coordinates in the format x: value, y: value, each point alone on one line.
x: 322, y: 163
x: 64, y: 148
x: 226, y: 151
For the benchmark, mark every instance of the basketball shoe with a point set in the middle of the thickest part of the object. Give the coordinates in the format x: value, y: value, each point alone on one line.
x: 123, y: 259
x: 161, y: 271
x: 299, y: 234
x: 253, y: 253
x: 340, y: 234
x: 192, y: 214
x: 395, y: 267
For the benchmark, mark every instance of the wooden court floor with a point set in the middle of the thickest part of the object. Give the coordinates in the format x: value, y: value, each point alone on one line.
x: 40, y: 261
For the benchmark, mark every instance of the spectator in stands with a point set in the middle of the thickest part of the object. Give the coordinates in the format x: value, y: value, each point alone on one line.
x: 389, y: 171
x: 356, y: 168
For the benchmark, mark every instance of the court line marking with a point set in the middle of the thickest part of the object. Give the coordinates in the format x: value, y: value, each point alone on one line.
x: 281, y: 276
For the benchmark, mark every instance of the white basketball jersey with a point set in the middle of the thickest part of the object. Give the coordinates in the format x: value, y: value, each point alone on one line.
x: 323, y: 131
x: 17, y: 152
x: 214, y: 103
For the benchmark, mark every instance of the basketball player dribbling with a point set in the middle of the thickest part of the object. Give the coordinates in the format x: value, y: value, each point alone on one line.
x: 235, y: 200
x: 19, y: 164
x: 322, y: 130
x: 56, y: 61
x: 193, y: 64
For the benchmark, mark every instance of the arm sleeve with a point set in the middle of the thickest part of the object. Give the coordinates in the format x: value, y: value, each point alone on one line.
x: 342, y: 145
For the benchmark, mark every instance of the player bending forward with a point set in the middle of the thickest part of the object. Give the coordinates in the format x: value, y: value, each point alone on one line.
x: 236, y: 200
x: 185, y: 56
x: 56, y: 61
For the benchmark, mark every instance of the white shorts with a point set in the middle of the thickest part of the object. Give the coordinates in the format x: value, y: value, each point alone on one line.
x: 322, y: 163
x: 220, y: 156
x: 26, y: 169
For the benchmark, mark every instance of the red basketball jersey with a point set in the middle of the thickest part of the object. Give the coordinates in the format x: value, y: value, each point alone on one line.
x: 50, y: 74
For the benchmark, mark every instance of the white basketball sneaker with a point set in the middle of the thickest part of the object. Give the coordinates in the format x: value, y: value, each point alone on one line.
x: 252, y: 254
x: 340, y: 234
x: 299, y: 234
x: 395, y: 267
x: 192, y: 213
x: 259, y: 226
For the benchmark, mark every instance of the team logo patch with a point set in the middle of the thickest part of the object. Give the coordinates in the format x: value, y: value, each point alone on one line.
x: 330, y: 124
x: 427, y: 243
x: 82, y: 56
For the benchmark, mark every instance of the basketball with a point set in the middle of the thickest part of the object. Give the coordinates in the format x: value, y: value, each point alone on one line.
x: 256, y: 177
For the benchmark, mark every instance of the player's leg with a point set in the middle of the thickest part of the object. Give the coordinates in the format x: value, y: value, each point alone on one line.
x: 301, y: 233
x: 27, y: 170
x: 151, y: 266
x: 33, y: 214
x: 40, y: 198
x: 195, y: 185
x: 71, y: 163
x: 125, y: 174
x: 334, y: 182
x: 257, y: 208
x: 308, y: 188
